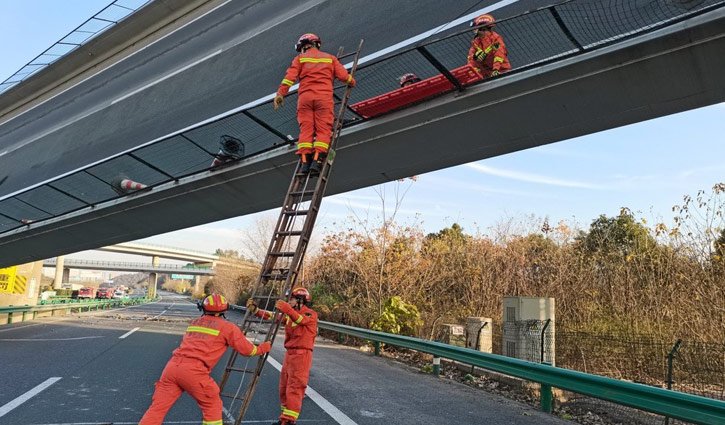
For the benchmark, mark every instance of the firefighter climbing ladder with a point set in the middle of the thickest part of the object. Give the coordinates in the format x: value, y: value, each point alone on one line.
x: 282, y: 263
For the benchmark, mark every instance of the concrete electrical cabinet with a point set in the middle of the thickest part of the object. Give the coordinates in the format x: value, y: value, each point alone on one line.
x: 479, y: 333
x: 527, y: 323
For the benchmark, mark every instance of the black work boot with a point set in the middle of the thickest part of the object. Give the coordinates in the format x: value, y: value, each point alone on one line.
x: 305, y: 167
x: 316, y: 167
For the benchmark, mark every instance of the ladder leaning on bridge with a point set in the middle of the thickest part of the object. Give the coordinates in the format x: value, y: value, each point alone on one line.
x: 282, y: 263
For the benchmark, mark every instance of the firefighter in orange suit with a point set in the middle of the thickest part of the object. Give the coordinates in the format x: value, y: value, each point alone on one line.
x: 300, y: 329
x: 316, y: 71
x: 205, y: 341
x: 487, y: 55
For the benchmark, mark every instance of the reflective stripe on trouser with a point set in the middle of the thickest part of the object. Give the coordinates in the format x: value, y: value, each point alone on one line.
x: 293, y: 382
x: 315, y: 115
x: 184, y: 375
x: 304, y: 148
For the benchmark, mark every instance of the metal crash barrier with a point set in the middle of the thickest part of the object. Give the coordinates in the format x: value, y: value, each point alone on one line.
x: 673, y: 404
x: 14, y: 313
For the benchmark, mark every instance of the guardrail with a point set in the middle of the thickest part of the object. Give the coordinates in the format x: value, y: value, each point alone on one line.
x: 673, y: 404
x: 13, y: 311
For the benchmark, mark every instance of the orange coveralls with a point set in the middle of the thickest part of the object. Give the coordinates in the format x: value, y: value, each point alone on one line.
x: 316, y: 70
x: 492, y: 45
x: 300, y: 330
x: 205, y: 341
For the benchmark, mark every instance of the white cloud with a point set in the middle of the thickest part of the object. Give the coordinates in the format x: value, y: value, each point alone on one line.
x: 533, y: 178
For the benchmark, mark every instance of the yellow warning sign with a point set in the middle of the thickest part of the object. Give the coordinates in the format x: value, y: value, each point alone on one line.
x: 7, y: 279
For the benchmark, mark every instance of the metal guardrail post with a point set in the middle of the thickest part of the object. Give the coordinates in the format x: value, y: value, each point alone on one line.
x: 546, y: 396
x: 670, y: 360
x: 436, y: 365
x: 377, y: 348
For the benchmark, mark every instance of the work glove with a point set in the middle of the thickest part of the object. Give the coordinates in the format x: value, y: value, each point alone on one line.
x: 351, y: 82
x: 278, y: 101
x: 251, y: 306
x: 282, y: 306
x: 495, y: 73
x: 480, y: 55
x: 264, y: 348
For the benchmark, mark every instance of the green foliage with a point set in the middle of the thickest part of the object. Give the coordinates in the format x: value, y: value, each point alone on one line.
x: 428, y: 368
x: 620, y: 235
x: 398, y: 317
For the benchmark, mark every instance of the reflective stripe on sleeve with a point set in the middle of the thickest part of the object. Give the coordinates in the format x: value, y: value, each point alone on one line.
x: 287, y: 82
x: 254, y: 351
x: 299, y: 319
x: 497, y: 59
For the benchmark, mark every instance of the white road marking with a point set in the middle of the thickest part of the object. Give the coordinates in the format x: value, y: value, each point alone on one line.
x: 163, y: 312
x: 4, y: 410
x: 259, y: 101
x: 128, y: 333
x: 51, y: 339
x: 321, y: 401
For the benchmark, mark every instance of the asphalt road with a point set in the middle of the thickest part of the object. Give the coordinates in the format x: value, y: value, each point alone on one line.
x: 235, y: 54
x: 100, y: 378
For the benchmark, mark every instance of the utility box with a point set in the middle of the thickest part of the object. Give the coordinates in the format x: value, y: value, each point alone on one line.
x: 454, y: 335
x: 528, y: 329
x: 479, y: 334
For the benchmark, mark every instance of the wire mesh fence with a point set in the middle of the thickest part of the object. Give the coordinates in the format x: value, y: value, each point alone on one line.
x: 540, y: 36
x: 683, y: 365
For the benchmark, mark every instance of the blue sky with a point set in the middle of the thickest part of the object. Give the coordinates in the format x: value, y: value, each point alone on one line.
x: 647, y: 167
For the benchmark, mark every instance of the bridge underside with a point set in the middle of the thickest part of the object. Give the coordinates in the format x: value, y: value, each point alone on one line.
x: 665, y: 72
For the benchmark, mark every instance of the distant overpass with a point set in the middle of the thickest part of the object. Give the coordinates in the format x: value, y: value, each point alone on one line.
x: 131, y: 267
x: 170, y: 253
x: 582, y: 82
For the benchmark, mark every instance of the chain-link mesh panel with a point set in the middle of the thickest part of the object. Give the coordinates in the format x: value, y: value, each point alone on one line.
x: 595, y: 22
x: 176, y: 156
x: 50, y: 200
x: 7, y: 223
x: 252, y: 135
x: 19, y: 210
x: 86, y: 187
x: 127, y: 167
x: 283, y: 120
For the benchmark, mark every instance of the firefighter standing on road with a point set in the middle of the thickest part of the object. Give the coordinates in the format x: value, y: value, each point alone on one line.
x: 316, y: 71
x: 487, y: 55
x: 205, y: 341
x: 300, y: 329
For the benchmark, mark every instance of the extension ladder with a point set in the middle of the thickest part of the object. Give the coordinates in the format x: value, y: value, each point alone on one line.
x: 285, y: 255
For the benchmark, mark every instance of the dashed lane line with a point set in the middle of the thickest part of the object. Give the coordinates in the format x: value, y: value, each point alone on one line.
x: 4, y: 410
x: 128, y: 333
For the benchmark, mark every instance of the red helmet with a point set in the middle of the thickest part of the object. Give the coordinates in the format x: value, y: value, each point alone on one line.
x: 307, y: 39
x: 302, y: 293
x: 486, y: 21
x: 215, y: 303
x: 408, y: 78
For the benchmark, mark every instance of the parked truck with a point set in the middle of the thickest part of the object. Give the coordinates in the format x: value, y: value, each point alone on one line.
x: 104, y: 293
x: 87, y: 292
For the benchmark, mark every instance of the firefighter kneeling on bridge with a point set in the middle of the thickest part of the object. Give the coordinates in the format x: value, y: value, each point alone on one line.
x: 205, y: 341
x: 488, y: 55
x: 300, y: 330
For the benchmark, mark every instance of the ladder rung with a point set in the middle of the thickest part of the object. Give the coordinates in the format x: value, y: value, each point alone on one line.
x: 275, y: 276
x: 290, y: 233
x: 239, y: 369
x: 302, y: 192
x: 296, y: 212
x: 231, y: 396
x: 282, y: 254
